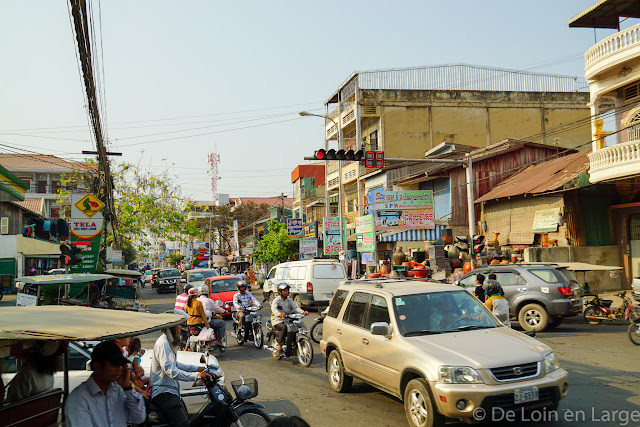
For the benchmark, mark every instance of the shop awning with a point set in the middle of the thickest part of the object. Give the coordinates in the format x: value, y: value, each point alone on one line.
x: 413, y: 235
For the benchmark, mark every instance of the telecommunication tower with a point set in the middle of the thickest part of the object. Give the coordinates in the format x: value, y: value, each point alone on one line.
x: 214, y: 161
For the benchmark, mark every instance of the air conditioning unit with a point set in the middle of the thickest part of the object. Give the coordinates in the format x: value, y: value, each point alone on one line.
x: 4, y: 225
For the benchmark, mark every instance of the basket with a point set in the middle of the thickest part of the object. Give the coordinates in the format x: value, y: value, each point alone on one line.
x: 251, y: 383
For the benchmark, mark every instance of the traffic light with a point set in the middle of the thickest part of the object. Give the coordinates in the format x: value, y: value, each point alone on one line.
x: 71, y: 252
x: 478, y: 243
x: 374, y: 159
x: 332, y: 154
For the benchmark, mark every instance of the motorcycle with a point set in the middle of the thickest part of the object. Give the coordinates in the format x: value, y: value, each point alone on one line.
x: 198, y: 345
x: 296, y: 334
x: 251, y: 318
x: 633, y: 332
x: 222, y: 409
x: 316, y: 328
x: 599, y: 309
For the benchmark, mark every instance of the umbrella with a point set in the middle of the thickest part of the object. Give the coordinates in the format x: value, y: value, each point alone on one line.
x: 203, y: 264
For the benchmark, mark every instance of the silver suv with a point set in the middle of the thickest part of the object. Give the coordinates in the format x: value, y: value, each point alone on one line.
x: 437, y: 348
x: 540, y: 295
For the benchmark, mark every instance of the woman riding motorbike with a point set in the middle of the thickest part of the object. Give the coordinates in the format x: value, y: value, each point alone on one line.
x: 195, y: 310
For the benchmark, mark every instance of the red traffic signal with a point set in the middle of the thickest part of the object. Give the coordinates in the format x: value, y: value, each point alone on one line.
x: 332, y: 154
x: 320, y: 154
x: 374, y: 159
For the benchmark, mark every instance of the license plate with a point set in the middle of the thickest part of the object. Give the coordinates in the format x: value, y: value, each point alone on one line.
x: 526, y: 394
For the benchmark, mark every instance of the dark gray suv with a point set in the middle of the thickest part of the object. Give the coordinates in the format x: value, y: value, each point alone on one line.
x: 540, y: 295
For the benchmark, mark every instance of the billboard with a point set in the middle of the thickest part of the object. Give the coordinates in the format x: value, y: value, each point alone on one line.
x: 415, y: 199
x: 308, y: 248
x: 294, y: 227
x: 364, y: 224
x: 331, y: 228
x: 405, y: 220
x: 365, y: 242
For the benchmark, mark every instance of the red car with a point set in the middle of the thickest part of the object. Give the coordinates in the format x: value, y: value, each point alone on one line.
x: 223, y: 288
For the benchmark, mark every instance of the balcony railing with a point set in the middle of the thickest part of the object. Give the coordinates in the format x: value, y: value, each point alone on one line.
x: 616, y: 43
x: 617, y: 161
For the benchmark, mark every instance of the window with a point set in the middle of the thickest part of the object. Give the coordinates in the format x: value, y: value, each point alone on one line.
x: 42, y: 187
x: 223, y: 285
x: 356, y: 309
x: 336, y: 303
x: 282, y: 273
x: 298, y: 273
x: 378, y: 311
x: 546, y: 275
x: 328, y: 271
x: 272, y: 273
x: 55, y: 186
x: 373, y: 141
x: 55, y: 212
x: 168, y: 273
x: 469, y: 281
x: 77, y: 360
x: 508, y: 278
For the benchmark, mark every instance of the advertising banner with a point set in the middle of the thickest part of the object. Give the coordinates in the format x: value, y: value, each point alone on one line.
x: 294, y: 227
x: 405, y: 220
x: 308, y: 248
x: 365, y: 242
x: 86, y: 226
x: 546, y: 220
x: 310, y: 230
x: 332, y: 243
x: 415, y: 199
x: 90, y: 253
x: 364, y: 224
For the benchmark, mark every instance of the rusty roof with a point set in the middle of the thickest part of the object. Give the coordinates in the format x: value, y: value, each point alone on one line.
x: 32, y: 205
x: 39, y: 162
x: 541, y: 178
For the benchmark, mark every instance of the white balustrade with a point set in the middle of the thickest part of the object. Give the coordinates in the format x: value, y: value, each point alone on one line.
x: 615, y: 161
x: 619, y: 41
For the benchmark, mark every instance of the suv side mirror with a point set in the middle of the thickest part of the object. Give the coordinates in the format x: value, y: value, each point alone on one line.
x: 380, y: 328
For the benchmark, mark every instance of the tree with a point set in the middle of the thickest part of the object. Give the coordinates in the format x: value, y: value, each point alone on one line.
x: 276, y: 246
x: 174, y: 258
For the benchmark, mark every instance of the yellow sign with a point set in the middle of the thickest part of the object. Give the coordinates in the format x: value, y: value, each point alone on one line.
x: 89, y: 205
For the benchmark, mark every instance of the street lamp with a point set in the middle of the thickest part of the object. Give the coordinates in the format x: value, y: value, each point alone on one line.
x: 326, y: 175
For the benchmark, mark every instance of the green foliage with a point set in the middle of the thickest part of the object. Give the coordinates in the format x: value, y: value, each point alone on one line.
x: 129, y: 252
x: 276, y: 246
x: 174, y: 258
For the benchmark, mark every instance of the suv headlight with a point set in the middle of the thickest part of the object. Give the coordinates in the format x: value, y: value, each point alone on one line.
x: 459, y: 375
x: 551, y: 362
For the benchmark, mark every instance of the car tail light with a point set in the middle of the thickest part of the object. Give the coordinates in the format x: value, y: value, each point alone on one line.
x: 566, y: 291
x: 309, y: 287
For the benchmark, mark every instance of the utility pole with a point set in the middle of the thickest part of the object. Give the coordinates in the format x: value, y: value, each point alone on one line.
x: 284, y: 221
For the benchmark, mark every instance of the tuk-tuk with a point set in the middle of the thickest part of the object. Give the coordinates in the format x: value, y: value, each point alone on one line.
x: 124, y: 289
x: 24, y: 328
x: 31, y: 287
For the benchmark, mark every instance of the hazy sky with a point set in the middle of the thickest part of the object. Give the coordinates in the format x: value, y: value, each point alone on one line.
x: 184, y: 77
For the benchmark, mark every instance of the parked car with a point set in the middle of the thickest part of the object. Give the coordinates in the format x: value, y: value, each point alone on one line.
x: 194, y: 278
x: 222, y: 289
x: 166, y: 280
x: 312, y: 282
x: 540, y: 295
x: 437, y: 348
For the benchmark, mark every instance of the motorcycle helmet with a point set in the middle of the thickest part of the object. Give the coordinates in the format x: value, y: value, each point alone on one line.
x: 242, y: 286
x: 204, y: 290
x: 186, y: 288
x: 282, y: 287
x: 193, y: 291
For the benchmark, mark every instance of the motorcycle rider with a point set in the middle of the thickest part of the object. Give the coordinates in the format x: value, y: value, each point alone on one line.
x: 213, y: 312
x: 166, y: 372
x: 280, y: 307
x: 241, y: 300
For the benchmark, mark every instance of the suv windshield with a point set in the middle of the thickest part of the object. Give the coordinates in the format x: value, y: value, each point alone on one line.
x: 439, y: 312
x: 199, y: 276
x: 224, y: 285
x: 168, y: 273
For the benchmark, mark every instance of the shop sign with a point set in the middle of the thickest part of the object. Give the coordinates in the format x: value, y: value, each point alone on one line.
x: 365, y: 242
x: 405, y: 220
x: 26, y: 300
x: 310, y: 229
x: 546, y: 220
x: 87, y: 206
x: 247, y: 251
x: 416, y: 199
x: 364, y: 224
x: 332, y: 243
x: 367, y: 258
x: 90, y: 253
x: 85, y: 228
x: 294, y: 227
x: 308, y: 248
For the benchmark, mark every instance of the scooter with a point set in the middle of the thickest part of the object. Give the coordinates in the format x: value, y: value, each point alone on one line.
x: 316, y: 328
x: 251, y: 318
x: 222, y: 409
x: 633, y: 332
x: 599, y: 309
x: 297, y: 338
x: 201, y: 346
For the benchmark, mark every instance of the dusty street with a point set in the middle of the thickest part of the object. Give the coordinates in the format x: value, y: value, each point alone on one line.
x: 603, y: 365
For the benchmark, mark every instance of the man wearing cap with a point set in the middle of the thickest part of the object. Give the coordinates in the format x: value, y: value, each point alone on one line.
x: 107, y: 398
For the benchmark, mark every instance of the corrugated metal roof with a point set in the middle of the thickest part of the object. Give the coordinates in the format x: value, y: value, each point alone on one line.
x: 33, y: 205
x: 606, y: 14
x: 417, y: 172
x: 37, y: 162
x: 536, y: 179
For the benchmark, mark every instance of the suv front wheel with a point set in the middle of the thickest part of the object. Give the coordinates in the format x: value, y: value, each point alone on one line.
x: 418, y: 406
x: 339, y: 380
x: 533, y: 316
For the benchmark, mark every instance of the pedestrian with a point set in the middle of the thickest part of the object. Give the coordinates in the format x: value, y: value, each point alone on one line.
x: 492, y: 281
x: 479, y: 291
x: 107, y: 398
x: 498, y: 304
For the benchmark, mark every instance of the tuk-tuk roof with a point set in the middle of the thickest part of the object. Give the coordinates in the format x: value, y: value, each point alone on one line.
x: 121, y: 272
x: 61, y: 279
x: 59, y: 322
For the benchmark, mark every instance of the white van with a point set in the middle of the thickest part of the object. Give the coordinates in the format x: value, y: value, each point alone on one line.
x: 312, y: 281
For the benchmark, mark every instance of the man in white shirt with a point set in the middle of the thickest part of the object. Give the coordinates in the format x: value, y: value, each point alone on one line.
x: 211, y: 309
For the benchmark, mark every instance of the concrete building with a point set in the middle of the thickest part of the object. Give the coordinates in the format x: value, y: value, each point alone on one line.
x: 308, y: 191
x: 407, y: 112
x: 612, y: 69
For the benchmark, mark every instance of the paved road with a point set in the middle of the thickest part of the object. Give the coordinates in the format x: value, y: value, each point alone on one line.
x: 604, y: 375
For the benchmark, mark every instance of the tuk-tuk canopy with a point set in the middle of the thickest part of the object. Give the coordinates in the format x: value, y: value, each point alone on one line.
x: 129, y: 274
x: 61, y: 279
x: 58, y: 322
